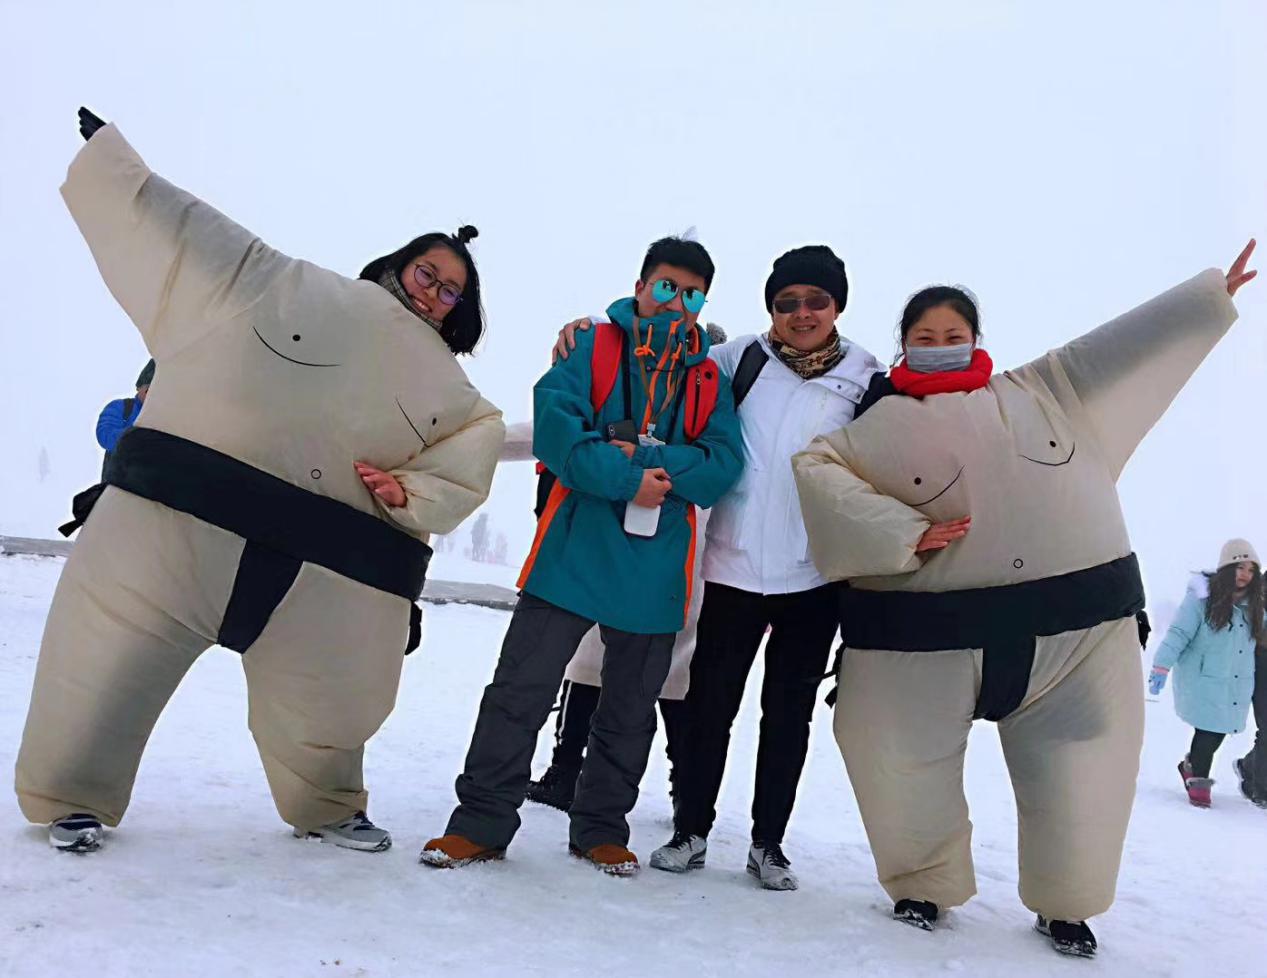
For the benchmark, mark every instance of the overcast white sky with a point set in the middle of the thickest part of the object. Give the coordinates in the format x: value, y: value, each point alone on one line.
x: 1064, y: 161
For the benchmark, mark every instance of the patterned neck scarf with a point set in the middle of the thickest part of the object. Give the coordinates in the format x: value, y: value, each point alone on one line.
x: 391, y: 282
x: 812, y: 364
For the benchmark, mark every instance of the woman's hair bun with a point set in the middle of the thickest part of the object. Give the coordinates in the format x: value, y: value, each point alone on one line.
x: 466, y: 233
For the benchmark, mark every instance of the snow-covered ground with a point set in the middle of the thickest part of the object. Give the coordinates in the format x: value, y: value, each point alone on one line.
x: 204, y: 880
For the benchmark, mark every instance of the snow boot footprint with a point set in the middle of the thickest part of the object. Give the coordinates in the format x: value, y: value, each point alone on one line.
x: 1068, y: 937
x: 917, y: 913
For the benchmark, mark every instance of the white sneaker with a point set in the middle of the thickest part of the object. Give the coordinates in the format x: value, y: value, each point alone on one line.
x: 681, y: 853
x: 354, y: 832
x: 76, y: 833
x: 771, y: 868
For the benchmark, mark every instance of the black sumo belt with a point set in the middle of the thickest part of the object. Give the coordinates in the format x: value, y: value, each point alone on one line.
x: 284, y: 527
x: 1004, y: 622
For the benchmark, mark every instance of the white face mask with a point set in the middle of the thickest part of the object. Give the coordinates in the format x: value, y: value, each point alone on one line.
x: 939, y: 359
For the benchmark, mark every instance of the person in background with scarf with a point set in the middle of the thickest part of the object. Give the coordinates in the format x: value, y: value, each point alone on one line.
x: 976, y: 519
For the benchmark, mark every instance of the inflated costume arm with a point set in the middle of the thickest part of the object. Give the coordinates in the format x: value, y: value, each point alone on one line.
x: 175, y: 264
x: 1125, y: 373
x: 448, y: 481
x: 854, y: 530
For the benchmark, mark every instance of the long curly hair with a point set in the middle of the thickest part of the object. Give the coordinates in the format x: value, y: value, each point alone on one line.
x: 1218, y: 606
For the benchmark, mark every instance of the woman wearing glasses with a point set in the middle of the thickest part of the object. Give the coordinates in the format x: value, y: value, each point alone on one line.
x: 305, y: 436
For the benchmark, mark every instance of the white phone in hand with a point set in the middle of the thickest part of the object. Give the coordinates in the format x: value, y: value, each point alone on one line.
x: 641, y: 521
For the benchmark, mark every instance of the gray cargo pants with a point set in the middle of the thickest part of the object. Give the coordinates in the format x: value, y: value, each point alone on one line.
x: 540, y: 642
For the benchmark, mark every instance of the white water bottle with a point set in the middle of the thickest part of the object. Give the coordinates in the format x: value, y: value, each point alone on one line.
x: 641, y: 521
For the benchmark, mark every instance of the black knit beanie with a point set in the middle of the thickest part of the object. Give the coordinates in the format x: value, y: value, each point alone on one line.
x: 146, y: 375
x: 811, y: 265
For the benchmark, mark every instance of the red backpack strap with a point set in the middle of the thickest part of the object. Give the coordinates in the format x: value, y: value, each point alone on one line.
x: 702, y: 382
x: 605, y: 362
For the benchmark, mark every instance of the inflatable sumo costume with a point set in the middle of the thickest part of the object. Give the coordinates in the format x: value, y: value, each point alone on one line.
x: 232, y: 513
x: 1029, y: 620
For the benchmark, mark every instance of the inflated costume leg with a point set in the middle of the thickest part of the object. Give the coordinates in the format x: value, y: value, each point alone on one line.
x: 140, y: 598
x: 1073, y: 752
x: 902, y: 722
x: 321, y: 679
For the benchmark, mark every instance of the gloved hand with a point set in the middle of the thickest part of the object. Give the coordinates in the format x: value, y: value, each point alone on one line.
x: 89, y: 123
x: 1157, y: 679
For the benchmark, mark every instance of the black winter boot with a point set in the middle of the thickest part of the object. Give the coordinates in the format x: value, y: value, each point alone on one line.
x: 555, y: 788
x: 917, y: 913
x: 1068, y: 937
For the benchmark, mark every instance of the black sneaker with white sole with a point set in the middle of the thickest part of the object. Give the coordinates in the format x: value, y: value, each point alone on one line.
x: 917, y: 913
x: 1068, y: 937
x: 76, y: 833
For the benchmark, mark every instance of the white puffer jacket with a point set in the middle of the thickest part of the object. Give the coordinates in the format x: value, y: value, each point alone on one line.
x: 756, y: 537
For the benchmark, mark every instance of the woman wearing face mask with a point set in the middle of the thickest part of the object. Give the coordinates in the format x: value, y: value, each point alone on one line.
x: 1210, y: 645
x: 799, y: 379
x: 976, y: 518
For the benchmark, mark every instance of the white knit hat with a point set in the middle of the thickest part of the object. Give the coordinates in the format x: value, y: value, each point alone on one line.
x: 1235, y: 551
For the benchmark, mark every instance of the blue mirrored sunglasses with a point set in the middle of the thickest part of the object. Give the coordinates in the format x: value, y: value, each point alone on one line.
x: 692, y: 299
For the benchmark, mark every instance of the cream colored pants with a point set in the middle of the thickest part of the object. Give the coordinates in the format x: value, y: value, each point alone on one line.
x: 1072, y: 751
x: 143, y: 595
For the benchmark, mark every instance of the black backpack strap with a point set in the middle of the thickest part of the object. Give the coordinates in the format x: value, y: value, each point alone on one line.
x: 880, y: 387
x: 751, y: 363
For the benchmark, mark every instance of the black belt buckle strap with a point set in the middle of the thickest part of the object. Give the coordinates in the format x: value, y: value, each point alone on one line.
x: 269, y: 511
x: 1003, y: 622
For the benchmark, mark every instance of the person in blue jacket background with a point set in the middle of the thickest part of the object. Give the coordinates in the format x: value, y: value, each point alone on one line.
x: 664, y: 436
x: 1210, y: 646
x: 119, y: 415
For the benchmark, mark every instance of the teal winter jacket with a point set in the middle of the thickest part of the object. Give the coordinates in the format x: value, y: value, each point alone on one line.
x: 1213, y: 670
x: 582, y: 559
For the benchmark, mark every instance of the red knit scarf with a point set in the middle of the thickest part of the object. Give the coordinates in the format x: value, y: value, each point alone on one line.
x: 913, y: 384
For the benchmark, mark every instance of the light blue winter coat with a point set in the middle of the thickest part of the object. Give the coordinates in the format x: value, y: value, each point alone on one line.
x: 1213, y: 671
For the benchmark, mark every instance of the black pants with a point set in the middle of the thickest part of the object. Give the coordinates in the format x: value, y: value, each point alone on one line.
x: 731, y: 625
x: 1254, y: 764
x: 1201, y: 754
x: 540, y: 642
x: 577, y: 703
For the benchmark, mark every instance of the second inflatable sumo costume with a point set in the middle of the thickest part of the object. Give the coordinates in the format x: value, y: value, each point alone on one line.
x: 1029, y: 620
x: 233, y: 513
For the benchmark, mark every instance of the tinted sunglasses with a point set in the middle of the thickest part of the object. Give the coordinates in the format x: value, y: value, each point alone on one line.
x: 664, y: 290
x: 788, y: 303
x: 426, y: 278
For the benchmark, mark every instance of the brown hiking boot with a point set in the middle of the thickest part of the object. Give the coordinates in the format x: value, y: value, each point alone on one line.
x: 612, y: 859
x: 452, y: 851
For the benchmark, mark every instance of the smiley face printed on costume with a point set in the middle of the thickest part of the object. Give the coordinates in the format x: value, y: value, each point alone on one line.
x: 292, y: 349
x: 1040, y: 432
x: 923, y: 475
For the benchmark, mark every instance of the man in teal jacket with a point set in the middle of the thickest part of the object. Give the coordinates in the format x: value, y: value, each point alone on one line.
x: 665, y: 437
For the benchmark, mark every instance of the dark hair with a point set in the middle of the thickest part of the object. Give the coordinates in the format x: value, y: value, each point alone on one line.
x: 690, y: 255
x: 954, y: 296
x: 464, y: 325
x: 1218, y: 606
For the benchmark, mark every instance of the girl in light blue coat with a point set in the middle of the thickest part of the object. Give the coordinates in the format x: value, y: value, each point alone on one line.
x: 1210, y: 646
